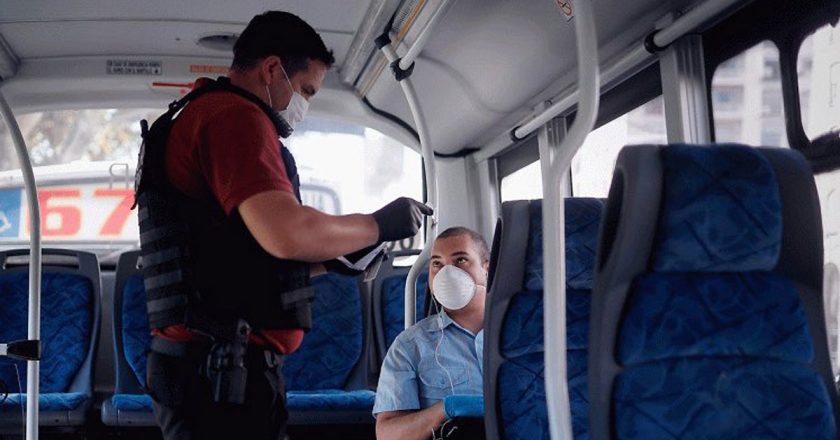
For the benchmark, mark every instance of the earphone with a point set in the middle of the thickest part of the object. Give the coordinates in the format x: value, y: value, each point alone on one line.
x: 439, y: 312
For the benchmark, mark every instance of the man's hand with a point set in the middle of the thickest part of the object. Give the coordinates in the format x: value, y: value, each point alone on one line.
x: 409, y: 425
x: 400, y: 219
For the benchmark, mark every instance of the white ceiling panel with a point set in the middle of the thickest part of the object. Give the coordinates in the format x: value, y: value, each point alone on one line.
x: 335, y: 15
x: 79, y: 39
x: 491, y: 61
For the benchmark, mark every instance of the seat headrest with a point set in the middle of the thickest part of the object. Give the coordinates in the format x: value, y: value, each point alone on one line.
x: 583, y: 217
x: 720, y: 211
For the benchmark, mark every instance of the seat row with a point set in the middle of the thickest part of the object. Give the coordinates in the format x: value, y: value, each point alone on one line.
x: 696, y: 311
x: 329, y: 379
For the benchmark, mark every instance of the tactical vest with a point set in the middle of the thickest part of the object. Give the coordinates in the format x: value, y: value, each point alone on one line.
x: 201, y: 267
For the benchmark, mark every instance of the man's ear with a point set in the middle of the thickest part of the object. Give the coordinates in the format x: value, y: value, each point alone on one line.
x: 269, y: 68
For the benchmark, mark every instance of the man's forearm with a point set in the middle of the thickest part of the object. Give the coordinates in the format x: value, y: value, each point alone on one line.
x: 415, y: 425
x: 324, y: 237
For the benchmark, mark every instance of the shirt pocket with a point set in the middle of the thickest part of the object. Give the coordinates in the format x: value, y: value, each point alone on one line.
x: 435, y: 380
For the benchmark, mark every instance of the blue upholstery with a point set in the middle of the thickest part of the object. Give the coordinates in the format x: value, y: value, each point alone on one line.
x: 67, y: 319
x: 329, y: 400
x: 132, y: 402
x: 722, y: 398
x: 720, y: 211
x: 463, y: 405
x: 583, y: 217
x: 136, y: 334
x: 46, y: 402
x: 521, y: 386
x: 713, y: 342
x: 393, y: 304
x: 316, y: 373
x: 679, y: 315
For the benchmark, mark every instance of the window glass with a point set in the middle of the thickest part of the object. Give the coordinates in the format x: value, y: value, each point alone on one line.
x: 523, y: 184
x: 819, y: 81
x: 592, y: 166
x: 747, y: 98
x: 84, y: 164
x: 818, y: 68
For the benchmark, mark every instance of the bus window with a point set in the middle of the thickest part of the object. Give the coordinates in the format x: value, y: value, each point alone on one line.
x: 819, y: 95
x: 747, y: 98
x: 592, y: 166
x: 365, y: 170
x: 818, y: 69
x: 84, y: 164
x: 523, y: 184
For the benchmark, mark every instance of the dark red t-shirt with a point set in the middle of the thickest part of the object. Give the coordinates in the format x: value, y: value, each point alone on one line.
x: 223, y: 148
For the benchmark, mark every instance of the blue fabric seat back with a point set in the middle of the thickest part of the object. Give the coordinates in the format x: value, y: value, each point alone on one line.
x: 66, y: 324
x: 333, y: 347
x: 714, y: 340
x: 393, y: 304
x: 517, y: 350
x: 132, y: 334
x: 136, y: 334
x: 69, y: 320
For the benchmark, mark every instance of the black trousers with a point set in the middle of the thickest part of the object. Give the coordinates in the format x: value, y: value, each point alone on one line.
x: 185, y: 410
x: 461, y: 428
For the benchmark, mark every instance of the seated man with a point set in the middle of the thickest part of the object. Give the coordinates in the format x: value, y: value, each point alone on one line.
x: 442, y: 354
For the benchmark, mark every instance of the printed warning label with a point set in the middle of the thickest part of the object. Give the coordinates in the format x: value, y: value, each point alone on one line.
x: 566, y: 8
x: 208, y: 68
x: 134, y: 67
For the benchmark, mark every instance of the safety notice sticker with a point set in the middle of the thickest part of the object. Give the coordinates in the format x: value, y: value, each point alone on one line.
x: 134, y: 67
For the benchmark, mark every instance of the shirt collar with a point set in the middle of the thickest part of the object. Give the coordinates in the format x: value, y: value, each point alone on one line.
x: 446, y: 321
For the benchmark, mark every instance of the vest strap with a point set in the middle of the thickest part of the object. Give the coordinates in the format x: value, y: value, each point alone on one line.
x: 163, y: 280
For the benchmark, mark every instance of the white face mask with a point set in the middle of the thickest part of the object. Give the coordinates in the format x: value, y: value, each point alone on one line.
x: 453, y: 288
x: 298, y: 105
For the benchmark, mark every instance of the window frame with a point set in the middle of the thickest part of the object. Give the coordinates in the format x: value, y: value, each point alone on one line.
x: 615, y: 102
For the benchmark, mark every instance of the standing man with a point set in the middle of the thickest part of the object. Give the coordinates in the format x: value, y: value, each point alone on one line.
x: 227, y: 248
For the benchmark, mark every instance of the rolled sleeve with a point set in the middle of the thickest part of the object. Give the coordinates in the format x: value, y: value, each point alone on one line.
x: 397, y: 389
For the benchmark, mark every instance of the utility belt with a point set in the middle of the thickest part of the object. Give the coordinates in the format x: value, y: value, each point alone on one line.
x: 221, y: 360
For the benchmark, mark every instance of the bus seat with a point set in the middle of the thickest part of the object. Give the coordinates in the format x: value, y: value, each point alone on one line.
x: 130, y: 405
x: 513, y: 363
x: 707, y: 311
x: 326, y: 378
x: 389, y: 303
x: 70, y: 317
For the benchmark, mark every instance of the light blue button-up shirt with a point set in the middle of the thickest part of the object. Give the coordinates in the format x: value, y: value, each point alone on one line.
x: 413, y: 376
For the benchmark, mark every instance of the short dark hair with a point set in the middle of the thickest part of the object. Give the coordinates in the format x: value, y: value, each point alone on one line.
x: 284, y: 35
x: 477, y: 239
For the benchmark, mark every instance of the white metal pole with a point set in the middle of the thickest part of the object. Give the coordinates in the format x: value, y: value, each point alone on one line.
x: 431, y: 189
x: 34, y: 331
x: 425, y: 33
x: 554, y: 269
x: 692, y: 20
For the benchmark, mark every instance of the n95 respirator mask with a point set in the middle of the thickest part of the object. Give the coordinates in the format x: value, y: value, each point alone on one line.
x: 453, y: 288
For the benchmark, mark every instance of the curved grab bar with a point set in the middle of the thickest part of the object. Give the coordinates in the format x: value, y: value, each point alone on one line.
x: 554, y: 269
x: 431, y: 187
x: 34, y: 330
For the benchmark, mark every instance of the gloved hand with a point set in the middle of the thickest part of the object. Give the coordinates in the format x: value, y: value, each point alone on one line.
x: 400, y: 219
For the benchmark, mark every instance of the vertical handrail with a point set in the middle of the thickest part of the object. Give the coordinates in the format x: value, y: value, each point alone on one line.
x: 431, y: 187
x: 554, y: 269
x: 34, y: 330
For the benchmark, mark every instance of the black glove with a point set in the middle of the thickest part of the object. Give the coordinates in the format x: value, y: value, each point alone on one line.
x: 400, y: 219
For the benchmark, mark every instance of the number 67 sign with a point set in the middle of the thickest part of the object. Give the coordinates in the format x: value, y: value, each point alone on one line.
x: 79, y: 213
